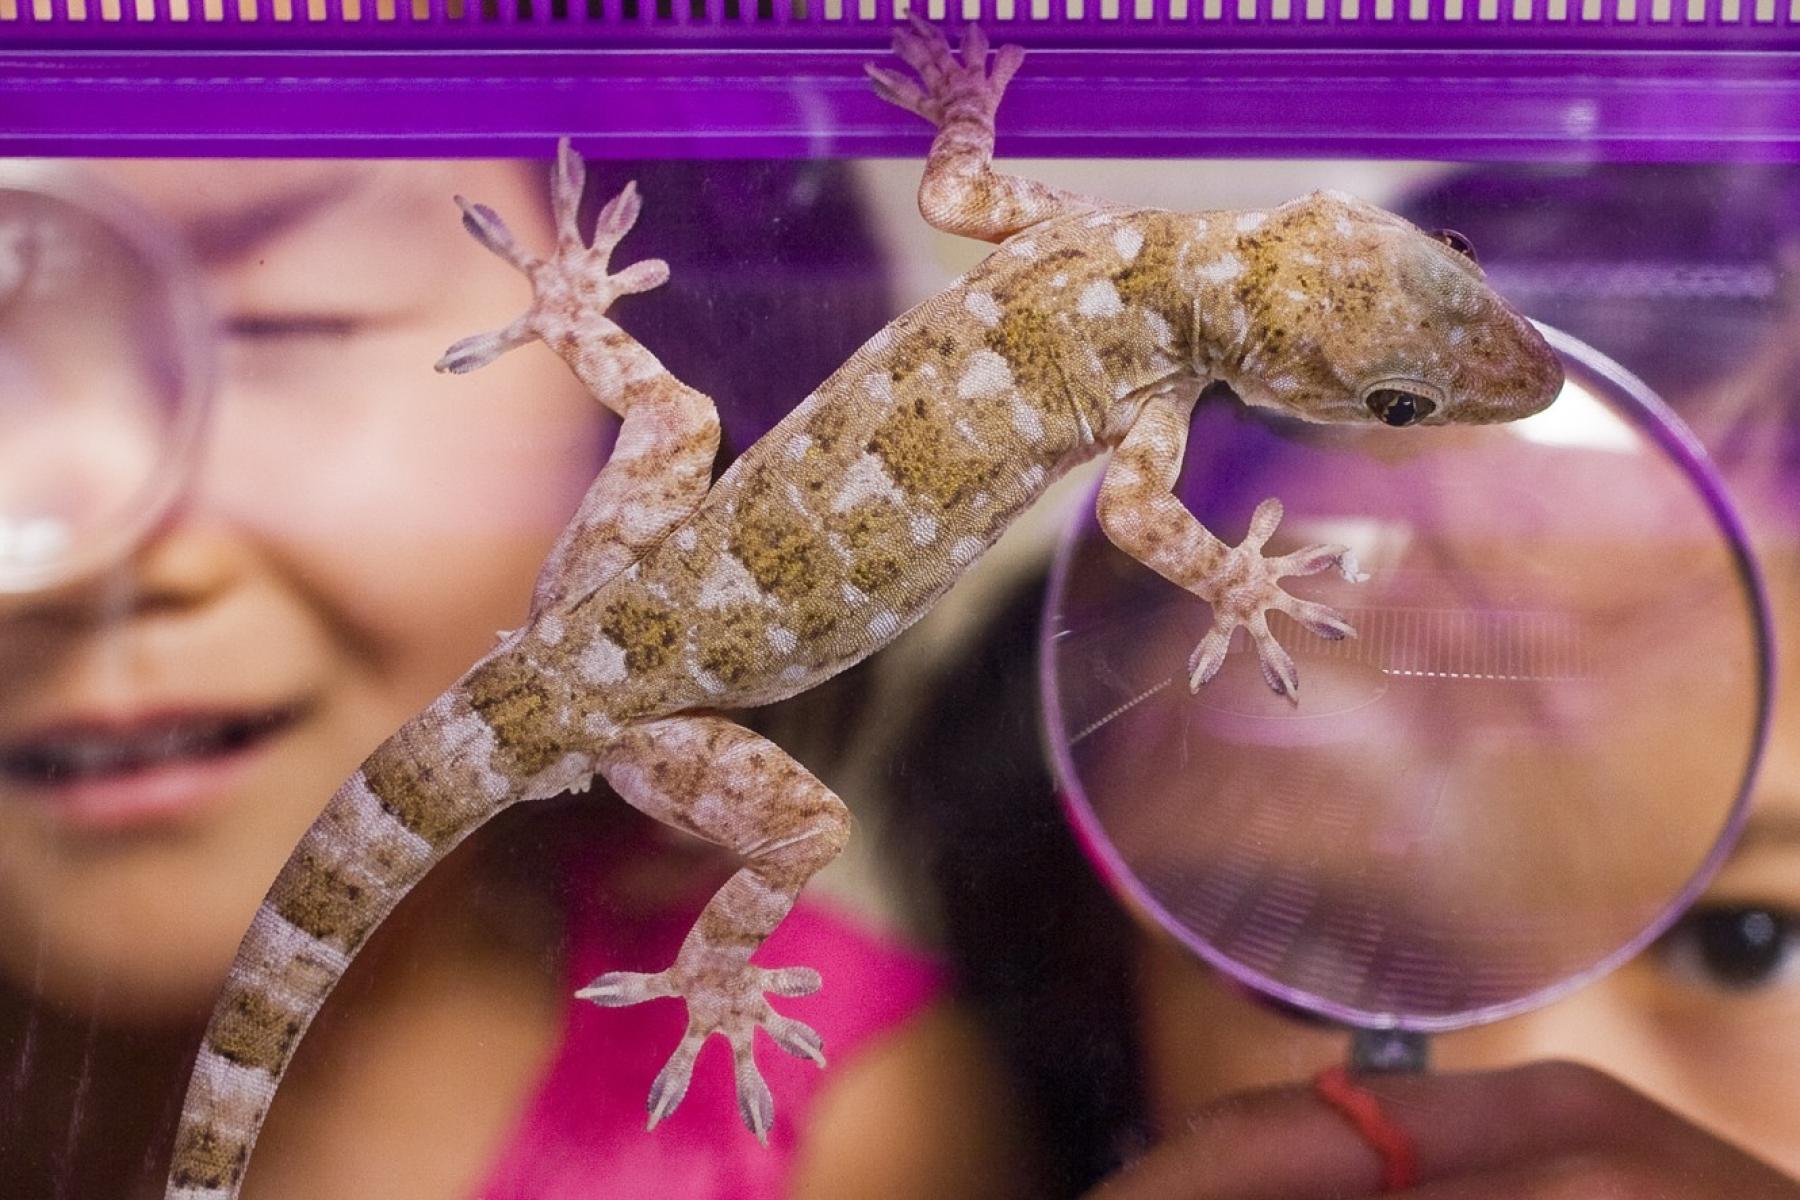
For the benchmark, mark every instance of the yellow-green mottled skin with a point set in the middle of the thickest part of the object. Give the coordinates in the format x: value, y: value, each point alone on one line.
x: 1091, y: 329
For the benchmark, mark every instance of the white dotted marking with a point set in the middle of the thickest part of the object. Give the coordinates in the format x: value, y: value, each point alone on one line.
x: 1027, y: 421
x: 1127, y: 241
x: 867, y: 478
x: 966, y: 551
x: 1221, y: 270
x: 985, y: 308
x: 728, y: 582
x: 1160, y: 333
x: 602, y: 662
x: 1100, y: 299
x: 985, y: 374
x: 880, y: 386
x: 884, y: 625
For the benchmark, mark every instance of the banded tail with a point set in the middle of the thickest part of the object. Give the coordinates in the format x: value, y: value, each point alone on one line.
x: 421, y: 792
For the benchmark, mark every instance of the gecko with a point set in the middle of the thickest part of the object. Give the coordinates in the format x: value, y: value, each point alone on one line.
x: 671, y: 599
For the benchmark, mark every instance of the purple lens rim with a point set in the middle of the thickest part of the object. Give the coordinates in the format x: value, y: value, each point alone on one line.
x: 1655, y: 419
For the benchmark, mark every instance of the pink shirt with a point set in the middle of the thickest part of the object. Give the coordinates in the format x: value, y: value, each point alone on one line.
x: 582, y: 1135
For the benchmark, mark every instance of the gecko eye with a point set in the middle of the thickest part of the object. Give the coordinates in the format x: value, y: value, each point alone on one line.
x: 1395, y: 407
x: 1457, y: 242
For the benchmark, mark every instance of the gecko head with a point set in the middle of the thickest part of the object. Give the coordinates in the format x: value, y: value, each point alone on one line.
x: 1347, y: 313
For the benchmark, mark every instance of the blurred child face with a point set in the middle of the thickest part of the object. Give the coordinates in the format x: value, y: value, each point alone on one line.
x: 358, y: 531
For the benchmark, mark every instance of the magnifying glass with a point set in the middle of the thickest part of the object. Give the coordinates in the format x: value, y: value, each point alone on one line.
x: 103, y: 376
x: 1530, y: 760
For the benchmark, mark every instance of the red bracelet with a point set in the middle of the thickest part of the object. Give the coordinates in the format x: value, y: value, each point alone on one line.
x: 1359, y: 1106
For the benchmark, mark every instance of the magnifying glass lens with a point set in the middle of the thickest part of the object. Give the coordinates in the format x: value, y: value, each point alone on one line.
x: 98, y: 390
x: 1527, y: 761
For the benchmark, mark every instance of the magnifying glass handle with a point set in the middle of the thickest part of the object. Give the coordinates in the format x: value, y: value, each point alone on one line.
x: 1377, y: 1051
x: 1389, y: 1050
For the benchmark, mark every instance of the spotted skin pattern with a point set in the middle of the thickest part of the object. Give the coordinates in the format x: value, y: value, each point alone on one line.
x: 1091, y: 328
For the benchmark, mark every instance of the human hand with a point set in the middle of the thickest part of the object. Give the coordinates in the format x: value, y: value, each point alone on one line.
x: 1549, y: 1131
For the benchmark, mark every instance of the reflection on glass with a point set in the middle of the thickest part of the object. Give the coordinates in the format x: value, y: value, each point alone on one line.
x: 1482, y: 798
x: 100, y: 382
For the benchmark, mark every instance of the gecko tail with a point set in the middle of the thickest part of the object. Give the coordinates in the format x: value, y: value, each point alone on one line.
x: 410, y: 804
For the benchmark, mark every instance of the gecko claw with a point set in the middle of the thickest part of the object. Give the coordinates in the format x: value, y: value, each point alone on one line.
x: 486, y: 227
x: 756, y: 1103
x: 947, y: 77
x: 1320, y: 620
x: 1245, y: 586
x: 1277, y: 664
x: 896, y: 89
x: 619, y: 989
x: 672, y: 1081
x: 1208, y: 656
x: 567, y: 183
x: 797, y: 1038
x: 478, y: 351
x: 729, y: 1000
x: 574, y: 285
x: 617, y: 217
x: 791, y: 981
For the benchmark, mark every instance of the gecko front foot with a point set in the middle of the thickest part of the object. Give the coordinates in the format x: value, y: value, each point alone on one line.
x: 948, y: 83
x: 1246, y: 586
x: 727, y: 998
x: 573, y: 285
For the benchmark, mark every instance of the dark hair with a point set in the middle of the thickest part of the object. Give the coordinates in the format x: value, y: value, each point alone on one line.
x: 1040, y: 951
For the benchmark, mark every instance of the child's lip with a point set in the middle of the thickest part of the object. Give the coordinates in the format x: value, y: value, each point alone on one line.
x: 115, y: 771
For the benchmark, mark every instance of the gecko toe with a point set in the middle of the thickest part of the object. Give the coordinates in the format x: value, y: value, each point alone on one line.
x: 756, y: 1104
x: 796, y: 1037
x: 1007, y: 61
x: 1208, y: 656
x: 619, y: 989
x: 897, y: 90
x: 617, y: 217
x: 974, y: 46
x: 1278, y: 667
x: 566, y: 186
x: 1321, y: 620
x: 641, y: 276
x: 486, y: 227
x: 1310, y: 561
x: 671, y: 1082
x: 791, y: 981
x: 478, y: 351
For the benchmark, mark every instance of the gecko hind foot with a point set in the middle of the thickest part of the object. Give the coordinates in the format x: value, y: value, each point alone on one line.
x: 1247, y: 587
x: 726, y: 1000
x: 948, y: 81
x: 571, y: 286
